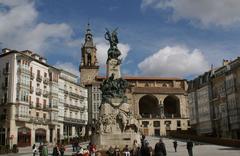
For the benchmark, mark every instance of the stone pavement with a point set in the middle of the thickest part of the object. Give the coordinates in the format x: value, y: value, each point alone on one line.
x: 198, y: 150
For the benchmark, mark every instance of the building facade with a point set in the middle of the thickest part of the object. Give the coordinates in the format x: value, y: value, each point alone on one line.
x: 160, y: 104
x: 199, y: 102
x: 30, y: 99
x: 223, y: 101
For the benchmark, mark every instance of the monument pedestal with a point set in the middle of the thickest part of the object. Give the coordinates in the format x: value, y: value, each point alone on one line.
x: 116, y: 125
x: 104, y: 141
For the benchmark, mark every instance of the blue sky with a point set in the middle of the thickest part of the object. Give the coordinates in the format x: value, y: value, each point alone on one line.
x: 179, y: 38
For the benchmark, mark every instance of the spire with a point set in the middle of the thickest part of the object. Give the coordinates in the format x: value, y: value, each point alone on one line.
x: 88, y: 28
x: 88, y: 35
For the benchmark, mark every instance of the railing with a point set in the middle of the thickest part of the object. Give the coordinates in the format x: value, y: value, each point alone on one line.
x: 31, y: 104
x: 22, y: 84
x: 72, y: 120
x: 22, y: 117
x: 74, y: 94
x: 45, y: 80
x: 39, y: 78
x: 31, y: 89
x: 21, y: 69
x: 45, y: 93
x: 38, y: 91
x: 6, y: 71
x: 38, y: 105
x: 32, y: 76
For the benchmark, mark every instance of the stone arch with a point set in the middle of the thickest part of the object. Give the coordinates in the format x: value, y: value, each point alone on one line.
x: 24, y: 137
x: 149, y: 106
x: 171, y: 106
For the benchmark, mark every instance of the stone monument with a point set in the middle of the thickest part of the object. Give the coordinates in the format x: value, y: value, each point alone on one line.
x: 116, y: 125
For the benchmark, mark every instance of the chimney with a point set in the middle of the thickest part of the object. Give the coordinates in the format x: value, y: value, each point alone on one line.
x: 225, y: 62
x: 6, y: 50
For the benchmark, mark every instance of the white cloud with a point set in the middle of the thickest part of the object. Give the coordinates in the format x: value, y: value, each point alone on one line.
x: 67, y: 66
x: 204, y: 12
x: 174, y: 61
x: 102, y: 48
x: 19, y: 28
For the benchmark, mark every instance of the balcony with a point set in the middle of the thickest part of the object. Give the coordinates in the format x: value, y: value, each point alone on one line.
x: 4, y: 86
x: 21, y: 117
x: 39, y: 78
x: 24, y: 70
x: 38, y: 106
x: 31, y: 104
x: 45, y: 80
x: 31, y: 89
x: 32, y: 76
x: 23, y: 85
x: 74, y: 95
x: 53, y: 106
x: 45, y: 93
x: 38, y: 91
x: 74, y: 121
x: 38, y: 120
x: 6, y: 71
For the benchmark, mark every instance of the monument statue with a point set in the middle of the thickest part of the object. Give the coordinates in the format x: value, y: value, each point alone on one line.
x: 116, y: 124
x: 113, y: 51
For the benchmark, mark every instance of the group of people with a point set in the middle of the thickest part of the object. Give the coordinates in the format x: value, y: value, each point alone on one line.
x: 58, y: 150
x: 146, y: 150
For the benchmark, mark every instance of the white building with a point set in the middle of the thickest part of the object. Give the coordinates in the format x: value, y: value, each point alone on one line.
x: 30, y: 108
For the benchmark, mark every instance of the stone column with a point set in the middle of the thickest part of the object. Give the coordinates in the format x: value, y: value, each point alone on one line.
x: 113, y: 67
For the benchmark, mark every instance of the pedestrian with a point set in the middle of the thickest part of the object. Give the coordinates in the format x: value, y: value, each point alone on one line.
x: 117, y: 151
x: 62, y: 150
x: 135, y: 151
x: 92, y: 150
x: 45, y: 150
x: 175, y: 145
x: 160, y: 149
x: 40, y: 148
x: 111, y: 151
x: 56, y: 151
x: 126, y: 151
x: 190, y: 147
x: 34, y: 148
x: 146, y: 150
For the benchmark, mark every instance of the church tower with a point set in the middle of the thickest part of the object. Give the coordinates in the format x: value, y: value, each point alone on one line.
x: 89, y: 65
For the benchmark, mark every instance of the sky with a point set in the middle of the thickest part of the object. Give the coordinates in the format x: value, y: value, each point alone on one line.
x: 167, y: 38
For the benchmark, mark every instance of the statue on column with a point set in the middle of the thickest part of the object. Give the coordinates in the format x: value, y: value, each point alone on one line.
x: 113, y: 51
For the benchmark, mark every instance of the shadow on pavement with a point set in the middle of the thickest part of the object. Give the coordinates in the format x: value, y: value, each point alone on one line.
x: 229, y: 148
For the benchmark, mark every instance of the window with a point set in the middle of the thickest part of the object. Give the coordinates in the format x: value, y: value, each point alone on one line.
x: 44, y: 103
x: 178, y: 123
x: 38, y: 72
x: 37, y: 114
x: 156, y: 123
x: 45, y: 74
x: 44, y: 116
x: 145, y: 123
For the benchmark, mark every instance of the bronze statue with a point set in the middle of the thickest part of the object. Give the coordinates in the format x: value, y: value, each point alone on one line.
x: 113, y: 51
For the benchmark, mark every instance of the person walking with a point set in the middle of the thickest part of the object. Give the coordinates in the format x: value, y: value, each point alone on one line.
x: 45, y: 150
x: 190, y: 147
x: 126, y: 151
x: 135, y: 148
x: 110, y: 151
x: 34, y: 148
x: 175, y: 145
x: 56, y: 151
x: 62, y: 150
x: 40, y: 148
x: 160, y: 149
